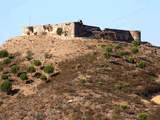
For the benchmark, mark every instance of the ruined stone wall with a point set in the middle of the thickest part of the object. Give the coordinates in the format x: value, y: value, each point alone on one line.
x: 78, y: 29
x: 82, y: 30
x: 68, y: 29
x: 124, y: 35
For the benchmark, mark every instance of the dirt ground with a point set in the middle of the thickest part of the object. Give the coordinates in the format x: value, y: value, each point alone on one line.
x: 89, y: 86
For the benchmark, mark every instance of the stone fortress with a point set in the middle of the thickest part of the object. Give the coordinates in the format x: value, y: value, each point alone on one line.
x: 78, y: 29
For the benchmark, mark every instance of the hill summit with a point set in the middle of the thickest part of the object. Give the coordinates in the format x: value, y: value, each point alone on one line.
x: 49, y: 78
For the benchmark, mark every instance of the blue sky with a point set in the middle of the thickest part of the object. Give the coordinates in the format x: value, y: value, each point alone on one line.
x: 124, y: 14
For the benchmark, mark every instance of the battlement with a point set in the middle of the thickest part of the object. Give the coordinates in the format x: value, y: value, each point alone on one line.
x: 78, y: 29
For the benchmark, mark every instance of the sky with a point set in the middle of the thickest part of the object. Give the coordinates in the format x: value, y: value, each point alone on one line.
x: 141, y: 15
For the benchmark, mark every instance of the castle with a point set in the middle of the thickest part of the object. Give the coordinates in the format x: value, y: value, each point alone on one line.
x: 78, y: 29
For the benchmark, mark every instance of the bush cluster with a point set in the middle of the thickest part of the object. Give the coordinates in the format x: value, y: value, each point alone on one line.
x: 7, y: 61
x: 37, y: 62
x: 142, y: 116
x: 134, y: 50
x: 108, y: 51
x: 48, y: 69
x: 141, y: 64
x: 23, y: 76
x: 31, y: 69
x: 15, y: 69
x: 6, y: 86
x: 130, y: 60
x: 59, y: 31
x: 4, y: 53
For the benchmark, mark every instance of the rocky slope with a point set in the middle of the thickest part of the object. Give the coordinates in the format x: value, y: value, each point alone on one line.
x: 97, y: 80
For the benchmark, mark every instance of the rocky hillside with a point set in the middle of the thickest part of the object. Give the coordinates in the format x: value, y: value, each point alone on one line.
x: 46, y: 78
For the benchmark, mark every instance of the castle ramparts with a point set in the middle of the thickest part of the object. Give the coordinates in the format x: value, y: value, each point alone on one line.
x: 78, y: 29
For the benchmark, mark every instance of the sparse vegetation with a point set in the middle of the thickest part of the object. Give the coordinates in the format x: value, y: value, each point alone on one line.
x: 134, y: 50
x: 31, y: 69
x: 7, y: 61
x: 131, y: 59
x: 142, y: 116
x: 59, y: 31
x: 123, y: 106
x: 136, y: 43
x: 93, y: 86
x: 141, y: 64
x: 14, y: 69
x: 37, y: 62
x: 23, y: 76
x: 6, y: 86
x: 48, y: 69
x: 107, y: 51
x: 4, y: 53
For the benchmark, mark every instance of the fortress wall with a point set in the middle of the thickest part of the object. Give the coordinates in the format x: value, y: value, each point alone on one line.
x: 82, y: 30
x: 124, y: 35
x: 68, y: 29
x: 78, y: 29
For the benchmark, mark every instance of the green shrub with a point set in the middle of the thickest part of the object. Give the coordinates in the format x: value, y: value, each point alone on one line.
x: 7, y: 61
x: 130, y: 60
x: 108, y: 51
x: 123, y: 106
x: 31, y: 69
x: 142, y: 116
x: 43, y: 77
x: 37, y: 62
x: 15, y: 69
x: 141, y: 64
x: 59, y: 31
x: 134, y: 50
x: 4, y: 53
x: 23, y: 76
x: 48, y: 69
x: 6, y: 86
x: 4, y: 76
x: 136, y: 43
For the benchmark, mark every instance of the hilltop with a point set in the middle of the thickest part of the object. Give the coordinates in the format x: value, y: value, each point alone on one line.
x: 87, y: 79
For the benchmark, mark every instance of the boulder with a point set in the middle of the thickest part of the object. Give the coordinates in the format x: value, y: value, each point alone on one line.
x: 156, y: 99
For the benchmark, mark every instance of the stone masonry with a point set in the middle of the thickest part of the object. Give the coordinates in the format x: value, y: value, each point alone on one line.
x: 78, y: 29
